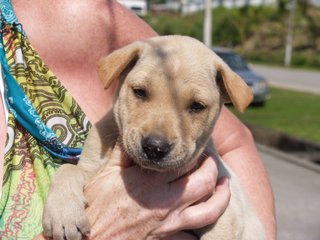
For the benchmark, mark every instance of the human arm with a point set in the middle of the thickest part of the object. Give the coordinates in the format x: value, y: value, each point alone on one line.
x: 235, y: 144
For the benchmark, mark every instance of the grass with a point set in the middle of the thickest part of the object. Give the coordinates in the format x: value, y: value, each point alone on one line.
x: 292, y: 112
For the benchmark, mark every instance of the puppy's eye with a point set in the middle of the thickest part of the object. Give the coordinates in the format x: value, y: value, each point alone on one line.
x: 196, y: 107
x: 140, y: 93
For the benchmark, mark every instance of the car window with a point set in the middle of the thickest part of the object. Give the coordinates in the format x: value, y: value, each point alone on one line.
x: 234, y: 61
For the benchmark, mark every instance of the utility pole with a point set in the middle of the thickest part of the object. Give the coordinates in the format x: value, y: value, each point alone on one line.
x: 234, y: 3
x: 288, y: 51
x: 207, y: 25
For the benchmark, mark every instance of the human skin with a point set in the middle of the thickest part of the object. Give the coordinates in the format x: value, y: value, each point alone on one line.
x: 161, y: 211
x: 91, y: 30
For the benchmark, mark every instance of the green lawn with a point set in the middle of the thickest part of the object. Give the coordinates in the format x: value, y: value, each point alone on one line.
x: 292, y: 112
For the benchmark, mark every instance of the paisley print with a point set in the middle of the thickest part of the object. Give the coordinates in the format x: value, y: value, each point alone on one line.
x: 28, y: 166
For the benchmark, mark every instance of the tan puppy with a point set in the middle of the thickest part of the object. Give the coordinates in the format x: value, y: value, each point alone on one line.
x: 170, y: 94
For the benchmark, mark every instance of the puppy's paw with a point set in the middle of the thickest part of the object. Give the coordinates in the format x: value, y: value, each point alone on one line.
x: 65, y: 221
x: 64, y: 215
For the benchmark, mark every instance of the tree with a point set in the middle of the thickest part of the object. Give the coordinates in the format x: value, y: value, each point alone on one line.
x: 282, y: 5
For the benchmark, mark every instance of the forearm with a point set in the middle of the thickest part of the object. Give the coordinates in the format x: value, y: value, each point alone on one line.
x: 237, y: 148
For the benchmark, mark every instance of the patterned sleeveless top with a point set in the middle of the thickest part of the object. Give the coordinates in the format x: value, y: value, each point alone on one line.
x: 45, y: 128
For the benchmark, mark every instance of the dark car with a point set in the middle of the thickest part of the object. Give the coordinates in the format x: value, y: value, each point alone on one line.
x: 258, y: 83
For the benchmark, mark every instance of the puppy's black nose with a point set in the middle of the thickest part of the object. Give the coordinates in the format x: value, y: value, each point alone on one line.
x: 155, y: 147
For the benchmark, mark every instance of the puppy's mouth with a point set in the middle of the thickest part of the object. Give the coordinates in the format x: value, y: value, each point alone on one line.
x: 169, y: 163
x: 157, y: 153
x: 181, y: 166
x: 160, y: 166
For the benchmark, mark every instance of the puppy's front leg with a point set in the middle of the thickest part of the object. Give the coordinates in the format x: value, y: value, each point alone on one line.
x: 64, y: 214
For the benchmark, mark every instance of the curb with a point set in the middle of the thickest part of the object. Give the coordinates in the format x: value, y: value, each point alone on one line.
x: 289, y: 158
x: 283, y: 141
x: 292, y: 149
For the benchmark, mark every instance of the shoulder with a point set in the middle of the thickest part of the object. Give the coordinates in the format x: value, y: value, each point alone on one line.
x: 106, y: 23
x: 126, y: 27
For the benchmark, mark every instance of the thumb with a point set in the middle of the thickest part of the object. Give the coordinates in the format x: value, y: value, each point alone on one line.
x: 118, y: 158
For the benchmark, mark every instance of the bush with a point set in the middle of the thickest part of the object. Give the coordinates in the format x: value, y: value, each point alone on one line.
x: 258, y: 33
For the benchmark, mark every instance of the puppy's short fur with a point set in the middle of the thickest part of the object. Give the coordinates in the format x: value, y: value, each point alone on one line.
x: 171, y: 90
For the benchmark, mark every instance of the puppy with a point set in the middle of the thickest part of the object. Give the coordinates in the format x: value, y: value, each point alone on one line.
x: 171, y: 90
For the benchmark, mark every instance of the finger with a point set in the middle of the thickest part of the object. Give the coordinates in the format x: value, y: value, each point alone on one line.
x: 207, y: 212
x: 202, y: 214
x: 181, y: 236
x: 203, y: 157
x: 197, y: 185
x: 126, y: 161
x: 115, y: 156
x: 119, y: 158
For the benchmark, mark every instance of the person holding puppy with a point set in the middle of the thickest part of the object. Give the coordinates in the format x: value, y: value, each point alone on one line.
x: 70, y: 38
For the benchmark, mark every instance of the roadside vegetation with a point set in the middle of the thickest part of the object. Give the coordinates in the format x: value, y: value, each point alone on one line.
x: 257, y: 33
x: 292, y: 112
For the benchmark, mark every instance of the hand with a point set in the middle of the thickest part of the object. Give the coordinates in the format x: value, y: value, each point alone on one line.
x: 126, y: 202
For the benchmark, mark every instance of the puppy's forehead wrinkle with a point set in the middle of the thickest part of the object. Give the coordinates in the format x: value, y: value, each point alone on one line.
x: 165, y: 65
x: 160, y: 53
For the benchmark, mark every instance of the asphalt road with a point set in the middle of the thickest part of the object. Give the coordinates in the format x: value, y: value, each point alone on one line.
x: 297, y: 195
x: 301, y: 80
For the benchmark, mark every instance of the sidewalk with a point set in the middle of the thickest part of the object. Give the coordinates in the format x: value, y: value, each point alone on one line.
x: 296, y: 189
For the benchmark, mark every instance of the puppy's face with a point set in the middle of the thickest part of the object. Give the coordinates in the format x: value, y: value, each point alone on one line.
x: 168, y: 101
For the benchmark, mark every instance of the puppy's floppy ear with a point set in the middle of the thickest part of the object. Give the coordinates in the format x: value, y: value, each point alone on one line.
x: 111, y: 66
x: 235, y: 89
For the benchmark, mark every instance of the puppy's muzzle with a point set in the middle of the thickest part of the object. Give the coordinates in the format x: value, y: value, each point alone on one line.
x: 156, y: 148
